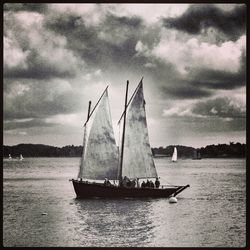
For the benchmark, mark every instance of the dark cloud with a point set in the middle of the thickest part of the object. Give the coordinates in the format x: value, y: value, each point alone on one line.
x: 202, y: 16
x: 182, y: 90
x: 219, y: 107
x: 122, y: 21
x: 206, y: 125
x: 38, y: 100
x: 110, y: 44
x: 218, y: 79
x: 34, y: 7
x: 165, y: 77
x: 10, y: 125
x: 215, y: 79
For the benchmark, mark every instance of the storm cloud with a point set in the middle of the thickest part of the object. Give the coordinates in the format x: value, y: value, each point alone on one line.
x: 202, y: 16
x: 111, y: 43
x: 220, y: 107
x: 39, y: 99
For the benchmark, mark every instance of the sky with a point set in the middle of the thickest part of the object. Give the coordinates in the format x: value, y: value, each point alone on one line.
x: 192, y: 58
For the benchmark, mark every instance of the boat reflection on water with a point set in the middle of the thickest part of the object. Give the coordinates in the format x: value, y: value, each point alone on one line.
x: 102, y: 221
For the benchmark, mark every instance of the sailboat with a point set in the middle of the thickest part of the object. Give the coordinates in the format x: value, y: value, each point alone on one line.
x: 10, y: 158
x: 21, y: 157
x: 174, y: 156
x: 102, y: 160
x: 197, y: 155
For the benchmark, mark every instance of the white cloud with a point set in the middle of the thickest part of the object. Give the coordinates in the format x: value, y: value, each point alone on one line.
x: 237, y: 97
x: 91, y: 13
x: 14, y: 56
x: 183, y: 108
x: 151, y: 13
x: 17, y: 89
x: 74, y: 120
x: 142, y: 49
x: 195, y: 54
x: 25, y: 35
x: 15, y: 132
x: 19, y: 120
x: 28, y: 18
x: 77, y: 8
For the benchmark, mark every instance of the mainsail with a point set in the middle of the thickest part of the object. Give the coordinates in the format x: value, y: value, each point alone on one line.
x: 174, y: 157
x: 100, y: 154
x: 137, y: 157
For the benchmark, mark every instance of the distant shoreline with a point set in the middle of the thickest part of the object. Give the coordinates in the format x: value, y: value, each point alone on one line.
x: 232, y: 150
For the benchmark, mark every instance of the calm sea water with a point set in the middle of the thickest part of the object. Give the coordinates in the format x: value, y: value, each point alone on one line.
x: 211, y: 213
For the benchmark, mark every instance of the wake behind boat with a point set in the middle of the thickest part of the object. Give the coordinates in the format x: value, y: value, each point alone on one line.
x: 127, y: 166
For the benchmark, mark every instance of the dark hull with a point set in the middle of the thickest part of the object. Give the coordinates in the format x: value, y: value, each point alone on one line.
x: 89, y: 190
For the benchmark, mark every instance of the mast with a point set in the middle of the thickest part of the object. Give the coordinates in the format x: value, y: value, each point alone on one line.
x: 123, y: 134
x: 88, y: 111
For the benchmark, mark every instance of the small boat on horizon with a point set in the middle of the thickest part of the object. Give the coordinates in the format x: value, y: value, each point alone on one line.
x: 10, y: 158
x: 197, y: 155
x: 174, y: 156
x: 126, y: 166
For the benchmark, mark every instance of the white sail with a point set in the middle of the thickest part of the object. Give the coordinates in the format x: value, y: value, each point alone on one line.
x: 174, y: 156
x: 137, y: 157
x: 21, y: 157
x: 100, y: 154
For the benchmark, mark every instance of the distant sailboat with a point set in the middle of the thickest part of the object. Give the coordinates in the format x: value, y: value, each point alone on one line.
x: 197, y: 155
x: 174, y: 156
x: 21, y: 157
x: 102, y: 160
x: 10, y: 158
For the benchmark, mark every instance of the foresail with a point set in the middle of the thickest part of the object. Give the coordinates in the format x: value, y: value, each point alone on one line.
x: 100, y: 153
x: 137, y: 158
x: 174, y: 157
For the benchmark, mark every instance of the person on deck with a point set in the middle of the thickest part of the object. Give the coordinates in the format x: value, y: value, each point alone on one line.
x: 143, y: 185
x: 152, y: 185
x: 124, y: 181
x: 129, y: 183
x: 157, y: 182
x: 107, y: 182
x: 133, y: 183
x: 147, y: 183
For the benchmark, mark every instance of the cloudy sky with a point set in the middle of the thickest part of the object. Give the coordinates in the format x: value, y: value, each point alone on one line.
x: 57, y: 57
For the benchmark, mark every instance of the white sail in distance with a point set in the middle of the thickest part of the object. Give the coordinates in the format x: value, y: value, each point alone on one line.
x: 174, y: 156
x: 137, y: 157
x: 100, y: 154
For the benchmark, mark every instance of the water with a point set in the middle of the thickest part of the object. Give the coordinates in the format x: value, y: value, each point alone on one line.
x: 211, y: 213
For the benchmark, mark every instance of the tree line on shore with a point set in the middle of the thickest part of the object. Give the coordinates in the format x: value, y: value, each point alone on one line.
x: 232, y: 149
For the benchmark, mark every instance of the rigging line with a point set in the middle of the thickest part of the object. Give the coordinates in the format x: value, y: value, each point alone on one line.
x: 130, y: 99
x: 123, y: 134
x: 95, y: 105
